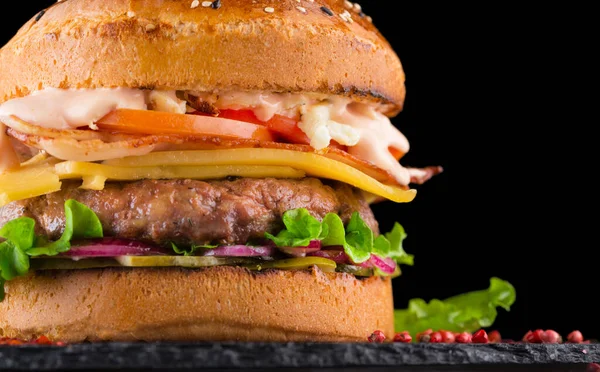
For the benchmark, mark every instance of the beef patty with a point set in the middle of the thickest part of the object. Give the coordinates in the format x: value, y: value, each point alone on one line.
x: 188, y: 212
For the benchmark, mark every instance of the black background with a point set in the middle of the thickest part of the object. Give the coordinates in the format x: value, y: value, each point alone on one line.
x: 486, y: 100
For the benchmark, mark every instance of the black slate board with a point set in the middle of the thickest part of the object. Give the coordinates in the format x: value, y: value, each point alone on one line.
x: 300, y: 357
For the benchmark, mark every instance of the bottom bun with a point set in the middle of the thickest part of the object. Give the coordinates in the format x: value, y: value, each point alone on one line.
x: 212, y: 304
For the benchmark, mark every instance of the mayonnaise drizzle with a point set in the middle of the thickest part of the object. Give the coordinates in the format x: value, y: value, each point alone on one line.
x: 377, y: 135
x: 72, y: 108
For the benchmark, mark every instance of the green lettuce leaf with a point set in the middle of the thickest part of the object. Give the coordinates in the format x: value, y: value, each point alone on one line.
x: 360, y: 252
x: 21, y: 243
x: 13, y: 261
x: 300, y: 229
x: 19, y: 235
x: 395, y: 238
x: 191, y: 251
x: 20, y: 232
x: 357, y: 238
x: 465, y: 312
x: 336, y: 231
x: 80, y: 223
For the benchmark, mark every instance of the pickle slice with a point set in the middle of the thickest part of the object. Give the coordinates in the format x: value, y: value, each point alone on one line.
x: 69, y: 264
x: 356, y: 270
x: 300, y: 263
x: 182, y: 261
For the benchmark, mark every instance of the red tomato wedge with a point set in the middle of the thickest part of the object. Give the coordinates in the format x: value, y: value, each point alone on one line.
x: 156, y: 122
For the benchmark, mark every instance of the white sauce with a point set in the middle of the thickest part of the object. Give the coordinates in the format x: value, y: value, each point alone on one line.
x: 377, y: 135
x: 72, y: 108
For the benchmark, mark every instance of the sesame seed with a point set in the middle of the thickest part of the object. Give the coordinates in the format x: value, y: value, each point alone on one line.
x: 311, y: 1
x: 298, y: 1
x: 327, y: 11
x: 40, y: 15
x: 206, y: 4
x: 269, y: 9
x: 216, y: 4
x: 369, y: 19
x: 357, y: 7
x: 130, y: 14
x: 346, y: 16
x: 303, y: 10
x: 195, y: 4
x: 348, y: 4
x: 150, y: 27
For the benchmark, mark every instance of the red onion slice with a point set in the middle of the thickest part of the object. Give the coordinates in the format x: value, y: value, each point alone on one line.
x: 338, y: 256
x: 111, y: 247
x: 313, y: 246
x: 240, y: 251
x: 386, y: 265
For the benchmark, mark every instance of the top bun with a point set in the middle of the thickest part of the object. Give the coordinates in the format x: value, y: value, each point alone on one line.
x: 250, y: 45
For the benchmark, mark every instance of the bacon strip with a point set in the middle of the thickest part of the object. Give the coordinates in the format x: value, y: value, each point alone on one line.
x: 86, y: 145
x: 421, y: 175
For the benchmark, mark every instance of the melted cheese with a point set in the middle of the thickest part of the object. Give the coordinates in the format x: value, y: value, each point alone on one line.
x: 98, y: 173
x: 208, y: 164
x: 313, y: 164
x: 28, y: 182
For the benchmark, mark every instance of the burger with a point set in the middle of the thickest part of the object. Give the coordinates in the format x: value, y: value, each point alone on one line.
x: 200, y: 171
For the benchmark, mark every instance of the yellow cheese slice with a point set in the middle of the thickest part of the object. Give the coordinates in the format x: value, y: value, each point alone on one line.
x: 313, y: 164
x: 76, y: 170
x: 28, y: 182
x: 43, y: 176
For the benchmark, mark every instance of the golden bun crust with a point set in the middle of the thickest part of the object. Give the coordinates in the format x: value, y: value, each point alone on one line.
x: 213, y: 304
x: 169, y: 45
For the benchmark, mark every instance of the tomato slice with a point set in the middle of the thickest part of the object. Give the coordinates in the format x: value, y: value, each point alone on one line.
x: 156, y: 122
x: 286, y: 128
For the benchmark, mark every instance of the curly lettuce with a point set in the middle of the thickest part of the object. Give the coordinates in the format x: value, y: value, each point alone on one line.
x: 465, y: 312
x: 357, y: 238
